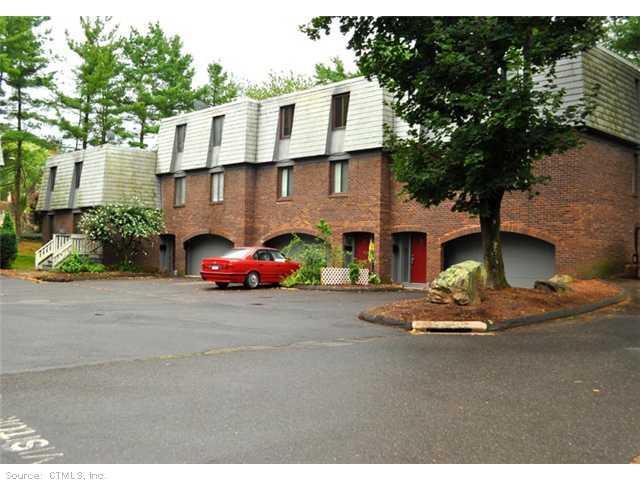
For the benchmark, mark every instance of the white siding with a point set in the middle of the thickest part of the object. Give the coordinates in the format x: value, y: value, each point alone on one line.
x: 617, y: 100
x: 238, y: 136
x: 365, y: 118
x: 109, y: 174
x: 129, y: 173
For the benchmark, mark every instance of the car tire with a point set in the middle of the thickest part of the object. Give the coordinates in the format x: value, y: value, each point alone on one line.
x: 222, y: 285
x: 252, y: 280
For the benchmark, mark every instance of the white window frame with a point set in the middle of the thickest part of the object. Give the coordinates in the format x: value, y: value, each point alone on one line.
x: 217, y: 187
x: 180, y: 193
x: 340, y: 176
x: 285, y: 185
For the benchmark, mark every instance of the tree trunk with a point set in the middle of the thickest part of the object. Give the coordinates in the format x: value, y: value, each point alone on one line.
x: 491, y: 242
x: 85, y: 124
x: 17, y: 180
x: 142, y: 123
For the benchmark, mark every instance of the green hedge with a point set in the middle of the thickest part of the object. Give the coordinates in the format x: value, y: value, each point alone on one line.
x: 8, y: 242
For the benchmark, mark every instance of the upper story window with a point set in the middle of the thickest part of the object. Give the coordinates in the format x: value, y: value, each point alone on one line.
x: 180, y: 193
x: 339, y: 110
x: 340, y: 176
x: 635, y: 179
x: 215, y: 140
x: 77, y: 173
x: 217, y: 187
x: 285, y: 182
x: 286, y: 121
x: 178, y: 146
x: 52, y: 178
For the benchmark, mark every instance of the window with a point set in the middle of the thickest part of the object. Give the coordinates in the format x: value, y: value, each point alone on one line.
x: 237, y: 253
x: 277, y: 256
x: 215, y: 140
x: 178, y: 147
x: 52, y: 178
x: 286, y: 121
x: 339, y: 176
x: 285, y: 182
x: 217, y: 187
x: 339, y: 110
x: 77, y: 172
x: 180, y: 191
x: 635, y: 180
x: 263, y: 256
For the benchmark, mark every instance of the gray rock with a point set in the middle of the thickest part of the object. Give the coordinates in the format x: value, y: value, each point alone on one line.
x: 461, y: 283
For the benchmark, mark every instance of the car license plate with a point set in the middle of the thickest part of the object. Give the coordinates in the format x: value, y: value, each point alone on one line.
x: 215, y: 267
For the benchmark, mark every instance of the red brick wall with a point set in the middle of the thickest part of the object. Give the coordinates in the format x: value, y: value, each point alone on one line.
x: 587, y: 210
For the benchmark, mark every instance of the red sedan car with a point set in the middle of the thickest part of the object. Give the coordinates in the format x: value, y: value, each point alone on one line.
x: 249, y: 265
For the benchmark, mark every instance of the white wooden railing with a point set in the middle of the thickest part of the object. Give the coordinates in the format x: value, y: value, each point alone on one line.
x: 53, y: 253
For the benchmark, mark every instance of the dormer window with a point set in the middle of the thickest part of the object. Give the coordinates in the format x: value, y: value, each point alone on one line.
x: 178, y: 147
x: 339, y: 110
x: 215, y: 140
x: 286, y: 121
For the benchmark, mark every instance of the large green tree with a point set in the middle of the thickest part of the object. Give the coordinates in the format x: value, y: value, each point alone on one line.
x: 159, y: 76
x: 99, y: 87
x: 624, y: 37
x: 467, y: 86
x: 26, y: 85
x: 221, y: 88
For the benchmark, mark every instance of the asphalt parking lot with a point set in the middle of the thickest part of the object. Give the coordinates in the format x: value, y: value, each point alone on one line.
x: 178, y: 371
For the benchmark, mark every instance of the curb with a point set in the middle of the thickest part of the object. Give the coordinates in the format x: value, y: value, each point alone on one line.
x: 494, y: 327
x: 338, y: 288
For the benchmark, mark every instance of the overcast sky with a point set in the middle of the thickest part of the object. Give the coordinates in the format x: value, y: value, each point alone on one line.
x: 249, y: 46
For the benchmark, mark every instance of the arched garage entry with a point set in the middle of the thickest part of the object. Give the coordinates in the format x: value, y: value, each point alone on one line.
x: 283, y: 240
x: 526, y: 259
x: 203, y: 246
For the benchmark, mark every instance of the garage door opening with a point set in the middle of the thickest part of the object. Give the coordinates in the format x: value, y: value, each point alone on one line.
x: 204, y: 246
x: 282, y: 241
x: 526, y: 259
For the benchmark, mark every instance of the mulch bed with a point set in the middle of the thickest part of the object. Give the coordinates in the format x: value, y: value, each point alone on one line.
x: 48, y: 276
x: 391, y: 287
x: 500, y: 305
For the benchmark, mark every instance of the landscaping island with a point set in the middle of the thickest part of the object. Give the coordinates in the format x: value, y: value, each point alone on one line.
x: 497, y: 309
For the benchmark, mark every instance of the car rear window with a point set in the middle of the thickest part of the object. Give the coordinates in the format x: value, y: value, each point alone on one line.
x: 236, y: 253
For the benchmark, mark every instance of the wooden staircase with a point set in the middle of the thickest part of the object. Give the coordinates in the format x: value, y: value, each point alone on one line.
x: 53, y: 253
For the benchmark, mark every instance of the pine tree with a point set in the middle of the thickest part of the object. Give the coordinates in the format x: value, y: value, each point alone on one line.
x: 221, y: 88
x: 26, y: 84
x: 99, y: 86
x: 158, y: 76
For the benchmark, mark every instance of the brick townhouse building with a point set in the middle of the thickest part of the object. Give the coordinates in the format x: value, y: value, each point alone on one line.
x: 256, y: 172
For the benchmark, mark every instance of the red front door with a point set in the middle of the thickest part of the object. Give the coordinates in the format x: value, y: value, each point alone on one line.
x: 418, y: 258
x: 361, y: 247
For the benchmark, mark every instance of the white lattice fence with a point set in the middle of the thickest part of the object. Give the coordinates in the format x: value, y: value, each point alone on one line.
x: 340, y: 276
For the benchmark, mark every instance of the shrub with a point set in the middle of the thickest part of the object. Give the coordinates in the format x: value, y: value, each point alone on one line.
x: 124, y: 227
x: 354, y: 273
x: 77, y: 263
x: 374, y: 279
x: 8, y: 242
x: 312, y: 256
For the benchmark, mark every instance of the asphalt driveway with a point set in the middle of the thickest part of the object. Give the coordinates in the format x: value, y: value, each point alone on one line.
x: 173, y: 371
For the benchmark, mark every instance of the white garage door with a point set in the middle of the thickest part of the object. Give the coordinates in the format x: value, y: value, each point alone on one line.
x: 204, y: 246
x: 526, y: 259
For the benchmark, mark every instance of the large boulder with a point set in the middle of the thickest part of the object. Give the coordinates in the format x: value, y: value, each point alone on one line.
x: 556, y: 284
x: 460, y: 283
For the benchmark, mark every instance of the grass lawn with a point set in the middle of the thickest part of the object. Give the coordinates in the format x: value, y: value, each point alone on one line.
x: 26, y: 255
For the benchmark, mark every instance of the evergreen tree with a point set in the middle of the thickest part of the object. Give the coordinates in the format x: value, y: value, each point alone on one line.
x: 158, y: 76
x: 99, y: 87
x: 26, y: 84
x: 221, y: 88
